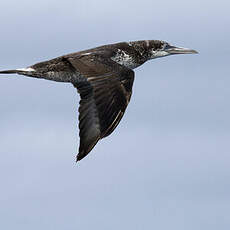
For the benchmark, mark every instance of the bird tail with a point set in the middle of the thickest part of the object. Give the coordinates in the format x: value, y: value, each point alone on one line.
x: 25, y: 71
x: 10, y: 71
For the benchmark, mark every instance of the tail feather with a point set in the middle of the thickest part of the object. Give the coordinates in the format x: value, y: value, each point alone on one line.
x: 9, y: 71
x: 25, y: 71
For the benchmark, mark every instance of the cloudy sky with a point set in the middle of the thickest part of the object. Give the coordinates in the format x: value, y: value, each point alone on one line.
x: 167, y: 164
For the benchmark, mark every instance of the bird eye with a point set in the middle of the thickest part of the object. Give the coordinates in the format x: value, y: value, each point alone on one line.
x: 166, y: 46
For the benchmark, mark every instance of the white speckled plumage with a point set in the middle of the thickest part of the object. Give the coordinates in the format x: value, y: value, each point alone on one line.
x: 125, y: 59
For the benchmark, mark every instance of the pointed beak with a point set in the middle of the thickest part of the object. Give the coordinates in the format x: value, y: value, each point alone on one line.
x: 179, y: 50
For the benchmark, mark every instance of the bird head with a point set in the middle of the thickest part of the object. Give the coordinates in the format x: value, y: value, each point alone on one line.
x: 158, y: 49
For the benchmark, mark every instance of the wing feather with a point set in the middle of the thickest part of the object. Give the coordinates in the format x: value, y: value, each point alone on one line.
x: 105, y: 92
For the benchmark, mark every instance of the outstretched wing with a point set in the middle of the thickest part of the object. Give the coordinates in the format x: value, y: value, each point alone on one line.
x: 105, y: 90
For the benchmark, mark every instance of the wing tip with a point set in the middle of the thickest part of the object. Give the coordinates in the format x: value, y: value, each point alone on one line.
x: 81, y: 154
x: 79, y: 157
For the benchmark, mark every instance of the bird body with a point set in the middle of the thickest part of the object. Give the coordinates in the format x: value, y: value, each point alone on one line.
x: 103, y: 77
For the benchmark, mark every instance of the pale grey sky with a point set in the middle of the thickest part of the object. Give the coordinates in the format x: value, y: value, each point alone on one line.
x: 166, y: 166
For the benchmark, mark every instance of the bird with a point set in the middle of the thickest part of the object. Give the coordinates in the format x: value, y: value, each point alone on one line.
x: 103, y: 76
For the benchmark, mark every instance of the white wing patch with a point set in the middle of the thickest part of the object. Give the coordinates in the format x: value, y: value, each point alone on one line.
x: 85, y: 54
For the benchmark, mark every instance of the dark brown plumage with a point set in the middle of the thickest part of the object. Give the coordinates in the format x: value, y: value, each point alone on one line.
x: 103, y: 76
